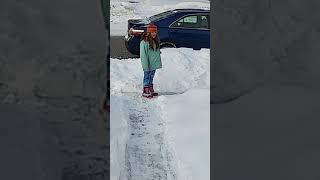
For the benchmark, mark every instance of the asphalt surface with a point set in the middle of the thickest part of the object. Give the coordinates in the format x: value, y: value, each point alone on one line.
x: 118, y: 48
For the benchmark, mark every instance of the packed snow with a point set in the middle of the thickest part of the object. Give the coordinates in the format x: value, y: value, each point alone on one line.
x: 123, y: 10
x: 166, y: 137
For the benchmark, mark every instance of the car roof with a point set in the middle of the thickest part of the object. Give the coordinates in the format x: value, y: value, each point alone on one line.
x: 190, y: 10
x: 165, y: 14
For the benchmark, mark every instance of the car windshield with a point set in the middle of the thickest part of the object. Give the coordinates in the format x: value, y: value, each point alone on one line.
x: 145, y: 20
x: 160, y: 16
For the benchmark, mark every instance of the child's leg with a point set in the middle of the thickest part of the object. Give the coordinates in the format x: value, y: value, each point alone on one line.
x: 152, y: 73
x: 146, y: 78
x: 146, y: 84
x: 151, y: 83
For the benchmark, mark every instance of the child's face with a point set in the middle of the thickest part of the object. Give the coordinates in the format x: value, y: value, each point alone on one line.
x: 153, y: 34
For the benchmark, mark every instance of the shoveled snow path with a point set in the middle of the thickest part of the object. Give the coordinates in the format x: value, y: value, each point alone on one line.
x: 161, y: 144
x: 147, y: 154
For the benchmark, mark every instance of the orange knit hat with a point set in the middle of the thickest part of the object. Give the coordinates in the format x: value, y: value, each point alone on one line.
x: 152, y: 28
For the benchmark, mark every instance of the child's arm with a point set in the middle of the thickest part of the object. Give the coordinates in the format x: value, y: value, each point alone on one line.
x: 144, y: 56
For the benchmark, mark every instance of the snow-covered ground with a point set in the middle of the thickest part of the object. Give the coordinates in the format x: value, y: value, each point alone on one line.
x: 122, y: 10
x: 188, y: 126
x: 118, y: 136
x: 166, y: 137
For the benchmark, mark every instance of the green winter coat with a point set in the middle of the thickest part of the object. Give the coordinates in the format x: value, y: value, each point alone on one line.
x: 150, y: 59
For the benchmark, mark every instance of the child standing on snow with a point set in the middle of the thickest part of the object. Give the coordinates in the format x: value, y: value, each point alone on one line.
x: 150, y: 59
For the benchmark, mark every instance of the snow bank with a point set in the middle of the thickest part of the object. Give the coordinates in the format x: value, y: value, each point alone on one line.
x: 118, y: 136
x: 123, y: 10
x: 188, y: 131
x: 183, y: 69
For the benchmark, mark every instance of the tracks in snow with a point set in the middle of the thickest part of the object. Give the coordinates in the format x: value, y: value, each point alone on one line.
x: 147, y: 154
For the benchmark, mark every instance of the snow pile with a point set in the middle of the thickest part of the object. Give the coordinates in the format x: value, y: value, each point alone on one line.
x: 118, y: 137
x: 182, y: 69
x: 123, y: 10
x: 188, y: 131
x: 184, y: 82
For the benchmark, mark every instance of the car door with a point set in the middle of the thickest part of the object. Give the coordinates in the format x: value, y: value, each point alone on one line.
x: 191, y: 31
x: 204, y: 31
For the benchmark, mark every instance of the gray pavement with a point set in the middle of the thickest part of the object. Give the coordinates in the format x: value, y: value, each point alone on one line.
x: 118, y: 48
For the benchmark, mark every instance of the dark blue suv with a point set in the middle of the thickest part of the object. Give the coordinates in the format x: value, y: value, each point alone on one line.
x: 176, y: 28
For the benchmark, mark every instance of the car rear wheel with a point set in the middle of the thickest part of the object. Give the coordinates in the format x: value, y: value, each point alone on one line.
x: 167, y: 45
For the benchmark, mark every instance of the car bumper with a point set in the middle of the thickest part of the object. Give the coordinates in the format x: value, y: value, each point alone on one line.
x: 132, y: 44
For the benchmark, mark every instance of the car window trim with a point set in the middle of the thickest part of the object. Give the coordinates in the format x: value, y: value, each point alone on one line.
x: 197, y: 14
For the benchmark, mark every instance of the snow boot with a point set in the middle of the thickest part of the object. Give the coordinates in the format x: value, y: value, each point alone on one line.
x: 152, y: 91
x: 146, y: 92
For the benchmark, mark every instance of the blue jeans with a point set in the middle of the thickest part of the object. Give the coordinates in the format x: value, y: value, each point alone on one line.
x: 148, y: 78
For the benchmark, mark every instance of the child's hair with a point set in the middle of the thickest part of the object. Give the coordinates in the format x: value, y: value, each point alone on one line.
x: 148, y: 38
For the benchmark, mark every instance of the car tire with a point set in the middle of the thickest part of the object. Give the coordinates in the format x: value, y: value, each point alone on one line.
x: 167, y: 45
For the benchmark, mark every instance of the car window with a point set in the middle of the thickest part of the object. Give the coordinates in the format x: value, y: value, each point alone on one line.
x: 190, y: 19
x: 187, y: 22
x: 145, y: 20
x: 204, y: 21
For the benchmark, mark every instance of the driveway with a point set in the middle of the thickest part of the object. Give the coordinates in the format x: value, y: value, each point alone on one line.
x: 118, y: 49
